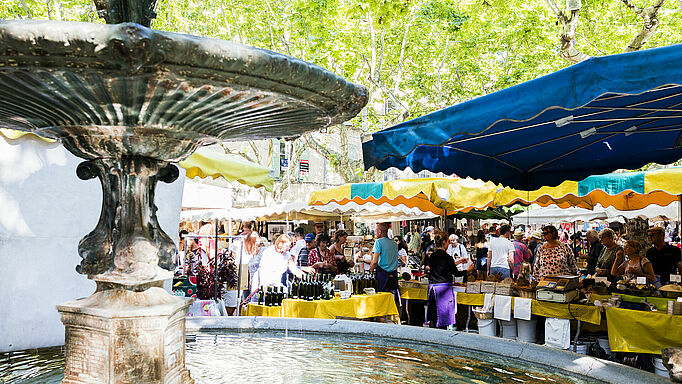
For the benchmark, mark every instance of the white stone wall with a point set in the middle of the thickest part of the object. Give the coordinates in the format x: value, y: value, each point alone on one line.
x: 44, y: 211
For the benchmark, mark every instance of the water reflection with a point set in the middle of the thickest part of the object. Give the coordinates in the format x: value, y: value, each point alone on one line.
x: 268, y: 357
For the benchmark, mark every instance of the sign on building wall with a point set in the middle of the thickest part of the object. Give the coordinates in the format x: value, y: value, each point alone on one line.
x: 303, y: 166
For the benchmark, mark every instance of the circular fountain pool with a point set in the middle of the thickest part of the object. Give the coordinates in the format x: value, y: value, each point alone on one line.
x: 258, y: 350
x: 295, y: 357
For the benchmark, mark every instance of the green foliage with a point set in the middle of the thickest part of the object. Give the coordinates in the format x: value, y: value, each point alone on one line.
x: 452, y: 51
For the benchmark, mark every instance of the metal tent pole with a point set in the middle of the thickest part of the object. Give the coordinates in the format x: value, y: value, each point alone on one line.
x: 215, y: 263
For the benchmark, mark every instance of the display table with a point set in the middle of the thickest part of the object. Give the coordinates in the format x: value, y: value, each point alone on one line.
x: 357, y: 306
x: 586, y: 313
x: 261, y: 310
x: 413, y: 293
x: 642, y: 332
x: 661, y: 303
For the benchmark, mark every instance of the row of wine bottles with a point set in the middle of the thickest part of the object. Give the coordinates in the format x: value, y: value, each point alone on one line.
x: 317, y: 287
x: 271, y: 297
x: 362, y: 281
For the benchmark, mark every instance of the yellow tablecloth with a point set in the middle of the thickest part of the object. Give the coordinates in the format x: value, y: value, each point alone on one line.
x: 261, y: 310
x: 586, y: 313
x: 357, y: 306
x: 642, y: 332
x: 661, y: 303
x: 413, y: 293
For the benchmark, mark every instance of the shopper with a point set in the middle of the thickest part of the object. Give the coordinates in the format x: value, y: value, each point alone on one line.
x: 481, y: 248
x: 554, y: 257
x: 635, y: 265
x: 594, y: 248
x: 608, y: 253
x: 442, y: 270
x: 501, y: 253
x: 402, y: 250
x: 303, y: 254
x: 275, y: 263
x: 321, y: 258
x: 343, y: 265
x: 521, y: 252
x: 665, y: 258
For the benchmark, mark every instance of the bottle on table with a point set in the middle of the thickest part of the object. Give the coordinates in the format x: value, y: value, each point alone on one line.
x: 294, y: 289
x: 280, y: 296
x: 261, y: 296
x: 268, y: 297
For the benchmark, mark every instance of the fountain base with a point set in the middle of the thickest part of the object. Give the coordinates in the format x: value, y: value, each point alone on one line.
x: 119, y: 335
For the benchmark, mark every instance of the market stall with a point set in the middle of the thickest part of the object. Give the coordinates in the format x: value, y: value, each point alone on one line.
x: 356, y: 306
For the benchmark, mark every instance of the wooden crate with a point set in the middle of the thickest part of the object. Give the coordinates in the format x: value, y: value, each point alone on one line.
x: 488, y: 286
x: 473, y: 287
x: 503, y: 289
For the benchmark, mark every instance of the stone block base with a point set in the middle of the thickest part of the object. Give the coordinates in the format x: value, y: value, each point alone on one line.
x: 125, y: 337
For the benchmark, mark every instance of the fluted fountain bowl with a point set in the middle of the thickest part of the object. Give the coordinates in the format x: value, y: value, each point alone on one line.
x: 125, y: 88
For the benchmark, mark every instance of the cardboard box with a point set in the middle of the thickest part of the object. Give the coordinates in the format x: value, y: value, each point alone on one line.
x: 488, y: 286
x: 674, y: 307
x: 503, y: 289
x: 473, y: 287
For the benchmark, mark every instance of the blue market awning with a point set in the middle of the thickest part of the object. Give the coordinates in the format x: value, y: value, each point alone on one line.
x: 606, y: 113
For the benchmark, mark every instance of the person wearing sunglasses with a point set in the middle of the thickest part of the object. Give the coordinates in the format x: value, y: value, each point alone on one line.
x: 553, y: 257
x: 665, y: 258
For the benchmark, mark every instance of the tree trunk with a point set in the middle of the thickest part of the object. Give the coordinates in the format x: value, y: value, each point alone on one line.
x: 567, y: 37
x: 650, y: 17
x: 636, y: 230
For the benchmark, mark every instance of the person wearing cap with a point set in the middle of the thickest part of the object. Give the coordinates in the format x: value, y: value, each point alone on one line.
x: 533, y: 243
x: 665, y: 258
x: 521, y: 252
x: 594, y: 247
x: 303, y: 254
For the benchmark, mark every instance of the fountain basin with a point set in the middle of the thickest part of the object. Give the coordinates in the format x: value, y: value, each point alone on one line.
x: 513, y: 351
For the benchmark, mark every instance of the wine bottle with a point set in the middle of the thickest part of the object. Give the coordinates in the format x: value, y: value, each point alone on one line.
x: 280, y: 296
x: 309, y: 289
x: 268, y: 297
x: 294, y: 289
x: 261, y: 296
x: 318, y: 288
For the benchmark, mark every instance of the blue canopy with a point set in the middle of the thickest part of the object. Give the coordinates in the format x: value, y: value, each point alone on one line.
x: 606, y: 113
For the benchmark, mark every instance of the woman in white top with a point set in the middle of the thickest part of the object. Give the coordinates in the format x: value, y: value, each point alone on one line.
x: 274, y: 263
x: 402, y: 250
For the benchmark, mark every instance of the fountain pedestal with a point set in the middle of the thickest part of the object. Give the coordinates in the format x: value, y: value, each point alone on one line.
x: 123, y: 336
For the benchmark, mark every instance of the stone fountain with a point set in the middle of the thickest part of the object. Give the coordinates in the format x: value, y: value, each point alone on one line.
x: 132, y: 101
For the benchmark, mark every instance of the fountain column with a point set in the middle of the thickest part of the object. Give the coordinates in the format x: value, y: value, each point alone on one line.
x: 130, y: 330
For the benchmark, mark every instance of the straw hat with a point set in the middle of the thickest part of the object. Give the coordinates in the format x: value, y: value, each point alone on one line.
x: 518, y: 233
x: 537, y: 235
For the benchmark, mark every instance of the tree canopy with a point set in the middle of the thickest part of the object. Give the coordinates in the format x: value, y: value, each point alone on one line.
x: 415, y: 56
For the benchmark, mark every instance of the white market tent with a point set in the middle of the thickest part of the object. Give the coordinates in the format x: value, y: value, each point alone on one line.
x: 303, y: 211
x: 554, y: 214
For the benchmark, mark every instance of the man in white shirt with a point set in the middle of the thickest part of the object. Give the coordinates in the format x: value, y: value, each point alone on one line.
x: 501, y: 253
x: 299, y: 243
